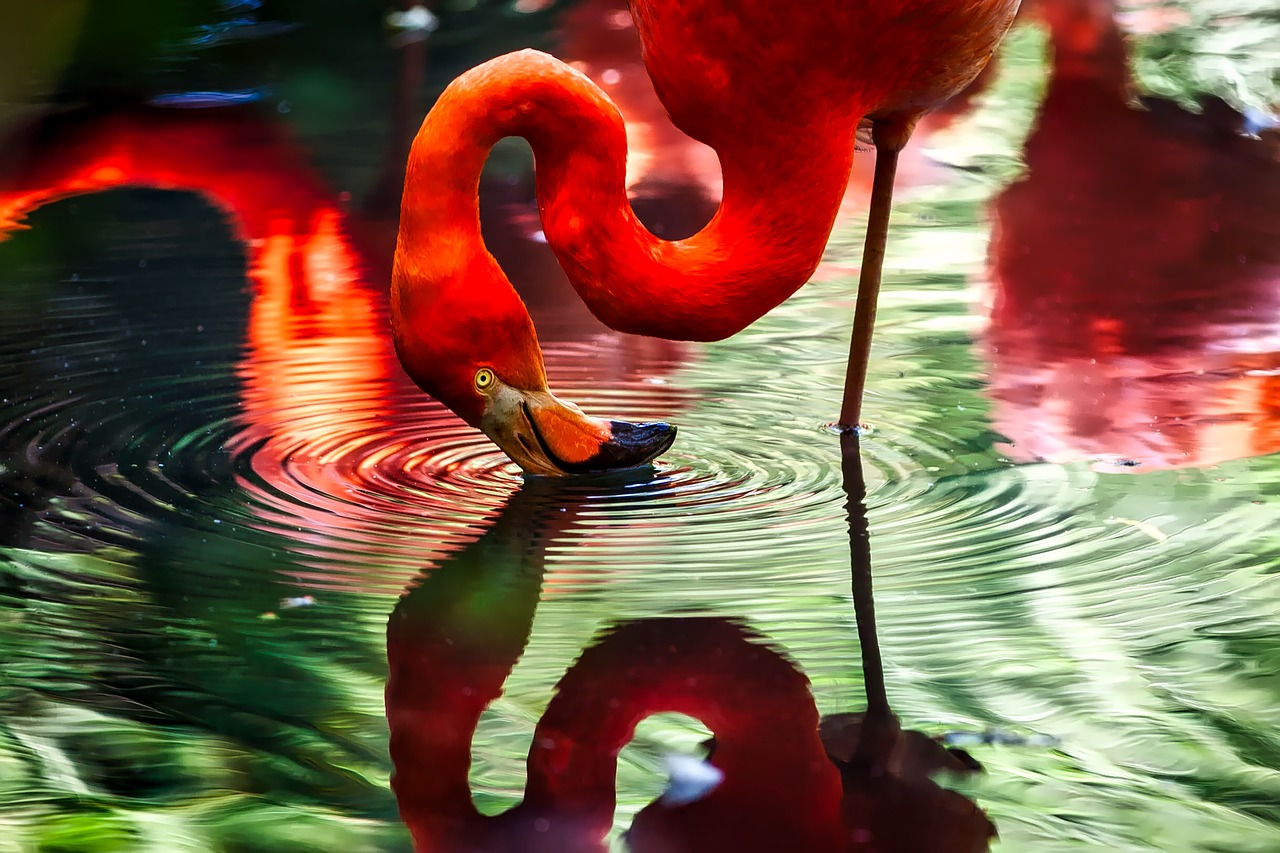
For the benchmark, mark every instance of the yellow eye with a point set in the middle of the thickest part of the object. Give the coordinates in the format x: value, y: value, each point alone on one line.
x: 485, y: 379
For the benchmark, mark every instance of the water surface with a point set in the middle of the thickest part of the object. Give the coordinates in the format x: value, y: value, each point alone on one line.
x: 216, y: 483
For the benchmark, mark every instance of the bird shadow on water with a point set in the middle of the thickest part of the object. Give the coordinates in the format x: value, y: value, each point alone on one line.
x: 776, y: 775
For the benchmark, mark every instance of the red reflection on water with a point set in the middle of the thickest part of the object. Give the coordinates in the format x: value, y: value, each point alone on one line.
x: 315, y: 330
x: 243, y: 165
x: 1135, y: 313
x: 788, y: 781
x: 779, y: 791
x: 1067, y: 17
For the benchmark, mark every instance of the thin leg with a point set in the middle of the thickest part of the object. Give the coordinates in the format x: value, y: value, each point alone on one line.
x: 889, y: 137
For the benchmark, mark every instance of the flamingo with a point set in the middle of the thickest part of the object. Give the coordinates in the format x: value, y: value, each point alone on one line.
x: 777, y: 89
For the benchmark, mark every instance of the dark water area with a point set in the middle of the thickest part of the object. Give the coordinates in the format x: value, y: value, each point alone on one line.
x: 248, y: 571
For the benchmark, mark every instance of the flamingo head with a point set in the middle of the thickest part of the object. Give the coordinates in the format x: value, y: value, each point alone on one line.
x: 476, y: 351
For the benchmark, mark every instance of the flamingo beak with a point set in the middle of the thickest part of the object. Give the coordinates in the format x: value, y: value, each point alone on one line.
x: 547, y: 436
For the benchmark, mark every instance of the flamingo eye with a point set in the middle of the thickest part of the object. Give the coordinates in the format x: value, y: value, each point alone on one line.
x: 485, y: 379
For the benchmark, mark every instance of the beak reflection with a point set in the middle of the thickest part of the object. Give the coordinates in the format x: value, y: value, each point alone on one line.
x: 547, y: 436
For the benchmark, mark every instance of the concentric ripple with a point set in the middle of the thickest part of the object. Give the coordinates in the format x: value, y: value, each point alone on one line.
x: 314, y: 437
x: 309, y: 439
x: 349, y: 464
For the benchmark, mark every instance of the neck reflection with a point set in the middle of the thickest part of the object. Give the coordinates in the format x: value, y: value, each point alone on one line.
x: 454, y: 638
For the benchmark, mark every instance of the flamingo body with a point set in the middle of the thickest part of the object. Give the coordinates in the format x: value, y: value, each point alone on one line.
x: 763, y: 66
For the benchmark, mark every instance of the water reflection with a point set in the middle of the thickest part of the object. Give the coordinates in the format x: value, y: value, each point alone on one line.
x: 782, y: 778
x: 891, y: 801
x: 454, y: 638
x: 159, y: 674
x: 1135, y: 318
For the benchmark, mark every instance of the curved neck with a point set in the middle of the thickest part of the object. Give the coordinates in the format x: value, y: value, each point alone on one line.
x: 755, y: 702
x: 782, y: 189
x: 452, y: 640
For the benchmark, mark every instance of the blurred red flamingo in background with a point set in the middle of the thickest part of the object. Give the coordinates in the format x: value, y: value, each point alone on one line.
x: 1135, y: 313
x: 777, y: 89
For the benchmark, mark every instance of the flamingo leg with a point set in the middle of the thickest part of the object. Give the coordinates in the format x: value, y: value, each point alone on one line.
x: 890, y: 136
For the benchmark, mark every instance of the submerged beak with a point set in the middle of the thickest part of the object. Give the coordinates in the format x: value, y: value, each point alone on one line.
x: 547, y: 436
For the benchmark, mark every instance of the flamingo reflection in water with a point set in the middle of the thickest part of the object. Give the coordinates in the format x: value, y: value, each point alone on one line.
x: 780, y: 778
x: 1135, y: 270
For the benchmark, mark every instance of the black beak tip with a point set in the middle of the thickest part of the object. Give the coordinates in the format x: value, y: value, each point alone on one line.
x: 631, y: 445
x: 653, y: 438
